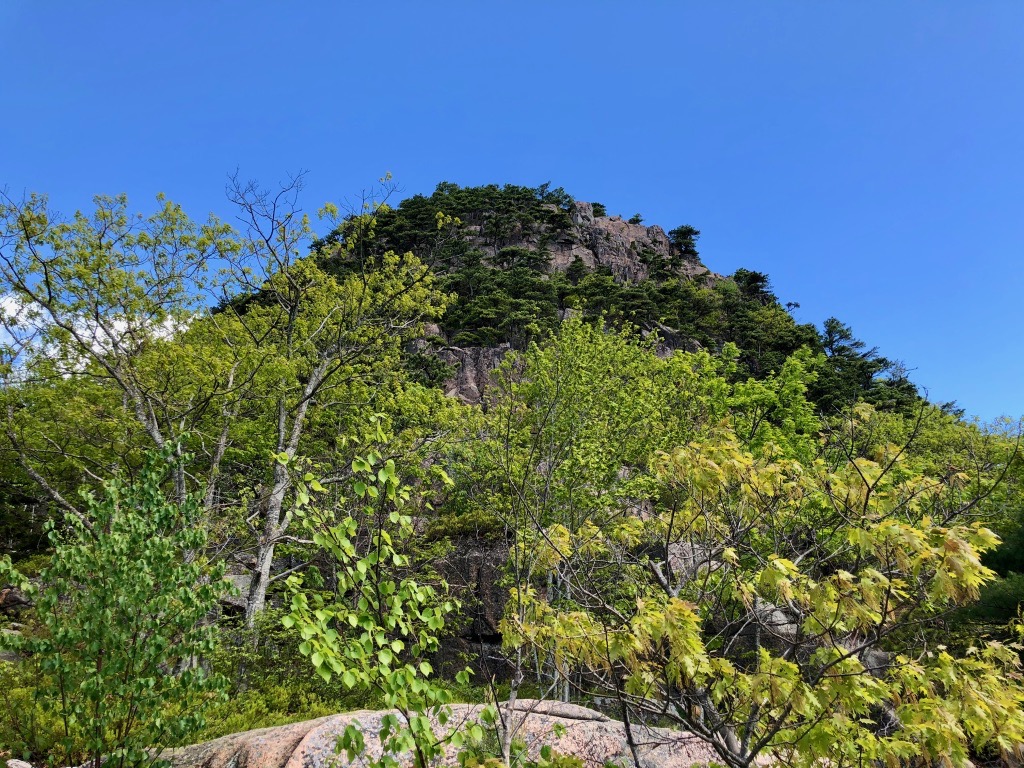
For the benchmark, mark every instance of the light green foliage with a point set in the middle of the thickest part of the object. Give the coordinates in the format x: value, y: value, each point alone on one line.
x: 983, y: 464
x: 785, y: 608
x: 28, y: 730
x: 547, y: 758
x: 376, y: 628
x: 88, y: 298
x: 574, y: 423
x: 268, y: 706
x: 726, y: 539
x: 568, y: 448
x: 115, y: 349
x: 269, y: 680
x: 122, y: 607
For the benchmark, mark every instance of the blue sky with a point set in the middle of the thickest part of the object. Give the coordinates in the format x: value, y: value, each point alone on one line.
x: 869, y: 155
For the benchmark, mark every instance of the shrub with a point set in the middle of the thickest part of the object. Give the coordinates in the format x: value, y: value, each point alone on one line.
x: 122, y: 607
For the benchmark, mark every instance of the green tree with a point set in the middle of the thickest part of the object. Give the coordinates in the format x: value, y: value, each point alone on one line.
x: 684, y: 239
x: 571, y: 429
x: 851, y: 368
x: 113, y: 331
x: 123, y: 606
x: 785, y: 609
x: 378, y: 624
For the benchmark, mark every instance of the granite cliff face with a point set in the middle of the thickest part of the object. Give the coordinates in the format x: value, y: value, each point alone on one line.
x: 626, y: 249
x: 473, y: 367
x: 613, y: 242
x: 596, y: 241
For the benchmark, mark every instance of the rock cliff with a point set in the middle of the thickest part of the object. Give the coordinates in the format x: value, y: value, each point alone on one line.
x: 628, y: 250
x: 473, y: 367
x: 625, y: 248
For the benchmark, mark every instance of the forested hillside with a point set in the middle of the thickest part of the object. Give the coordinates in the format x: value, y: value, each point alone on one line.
x: 523, y: 259
x: 486, y: 444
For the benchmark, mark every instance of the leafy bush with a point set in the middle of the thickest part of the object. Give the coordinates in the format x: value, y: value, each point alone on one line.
x: 123, y: 607
x: 29, y: 730
x: 267, y: 706
x: 374, y: 630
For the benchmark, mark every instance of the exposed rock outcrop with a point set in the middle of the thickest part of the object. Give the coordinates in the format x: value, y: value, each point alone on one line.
x: 12, y: 600
x: 628, y: 250
x: 10, y: 656
x: 573, y: 730
x: 473, y: 369
x: 597, y: 241
x: 235, y: 599
x: 474, y: 570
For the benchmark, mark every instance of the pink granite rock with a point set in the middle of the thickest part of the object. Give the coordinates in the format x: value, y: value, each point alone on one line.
x: 569, y: 729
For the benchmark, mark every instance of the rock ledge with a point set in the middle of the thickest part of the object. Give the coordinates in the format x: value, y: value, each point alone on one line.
x: 569, y: 729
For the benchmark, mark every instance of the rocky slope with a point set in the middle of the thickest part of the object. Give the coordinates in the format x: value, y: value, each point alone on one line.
x: 597, y: 241
x: 472, y: 369
x: 626, y: 249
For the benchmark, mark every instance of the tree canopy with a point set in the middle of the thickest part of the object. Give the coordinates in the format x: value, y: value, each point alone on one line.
x: 695, y: 510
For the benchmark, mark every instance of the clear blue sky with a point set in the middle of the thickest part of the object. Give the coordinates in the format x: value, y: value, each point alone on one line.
x: 868, y: 155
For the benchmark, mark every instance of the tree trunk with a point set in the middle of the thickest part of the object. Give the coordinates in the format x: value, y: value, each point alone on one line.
x: 257, y: 599
x: 273, y: 528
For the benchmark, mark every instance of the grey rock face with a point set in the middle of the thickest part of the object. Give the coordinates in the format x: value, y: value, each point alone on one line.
x: 12, y: 600
x: 474, y: 368
x: 9, y: 657
x: 236, y: 598
x: 474, y: 570
x: 582, y: 213
x: 597, y: 241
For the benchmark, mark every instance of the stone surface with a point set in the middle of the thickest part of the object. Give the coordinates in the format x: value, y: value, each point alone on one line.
x: 12, y: 600
x: 597, y: 241
x: 474, y: 366
x: 569, y: 729
x: 473, y: 570
x: 235, y: 600
x: 9, y: 657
